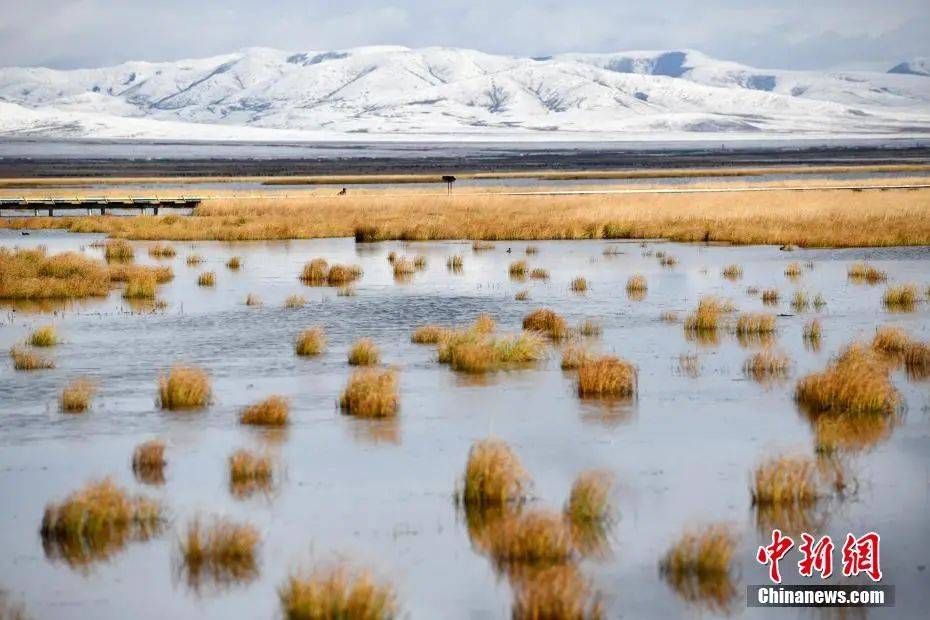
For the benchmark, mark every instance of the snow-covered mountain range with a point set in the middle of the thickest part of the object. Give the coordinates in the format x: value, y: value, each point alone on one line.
x: 390, y: 92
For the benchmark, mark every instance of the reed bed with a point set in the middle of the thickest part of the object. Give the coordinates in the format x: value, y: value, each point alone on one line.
x: 548, y: 323
x: 606, y: 376
x: 556, y: 593
x: 272, y: 411
x: 184, y: 387
x: 770, y: 296
x: 855, y: 382
x: 732, y: 272
x: 539, y: 273
x: 864, y: 272
x: 493, y: 476
x: 371, y: 393
x: 44, y: 336
x: 34, y: 274
x: 207, y: 278
x: 221, y: 550
x: 148, y: 462
x: 95, y: 522
x: 337, y: 592
x: 162, y: 250
x: 24, y: 359
x: 364, y: 353
x: 310, y: 341
x: 295, y: 301
x: 810, y: 219
x: 901, y: 298
x: 785, y: 480
x: 118, y: 250
x: 77, y: 396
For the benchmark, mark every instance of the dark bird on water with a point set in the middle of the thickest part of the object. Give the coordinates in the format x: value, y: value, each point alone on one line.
x: 508, y: 250
x: 24, y: 233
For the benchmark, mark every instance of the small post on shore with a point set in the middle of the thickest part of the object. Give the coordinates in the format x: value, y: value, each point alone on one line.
x: 448, y: 179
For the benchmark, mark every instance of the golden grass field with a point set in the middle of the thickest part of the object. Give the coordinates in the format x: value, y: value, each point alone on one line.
x: 815, y: 218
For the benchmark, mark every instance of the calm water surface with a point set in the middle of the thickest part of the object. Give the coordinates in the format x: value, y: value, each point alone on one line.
x: 381, y: 493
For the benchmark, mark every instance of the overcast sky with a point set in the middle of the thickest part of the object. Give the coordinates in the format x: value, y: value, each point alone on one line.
x: 774, y: 34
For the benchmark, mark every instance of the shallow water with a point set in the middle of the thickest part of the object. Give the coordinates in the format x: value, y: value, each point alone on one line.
x: 381, y: 493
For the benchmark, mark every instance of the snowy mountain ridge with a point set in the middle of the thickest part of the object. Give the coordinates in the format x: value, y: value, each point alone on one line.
x: 401, y: 93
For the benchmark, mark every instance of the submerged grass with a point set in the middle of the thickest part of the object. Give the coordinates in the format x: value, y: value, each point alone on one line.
x: 556, y: 593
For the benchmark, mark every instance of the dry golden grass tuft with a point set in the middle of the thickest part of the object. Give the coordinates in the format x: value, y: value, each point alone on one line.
x: 33, y: 274
x: 579, y: 285
x: 318, y: 272
x: 484, y: 324
x: 863, y: 272
x: 253, y: 300
x: 310, y: 341
x: 522, y: 295
x: 364, y: 353
x: 184, y: 387
x: 24, y: 359
x: 97, y: 521
x: 371, y: 393
x: 221, y: 550
x: 589, y: 499
x: 249, y: 473
x: 44, y: 336
x: 272, y: 411
x: 295, y: 301
x: 161, y: 250
x: 917, y: 360
x: 493, y: 476
x: 473, y: 351
x: 754, y: 323
x: 732, y: 272
x: 793, y: 270
x: 455, y: 263
x: 855, y: 382
x: 785, y: 480
x: 207, y: 278
x: 148, y: 462
x: 574, y: 354
x: 124, y: 272
x: 536, y: 537
x: 337, y: 592
x: 539, y: 273
x: 606, y: 376
x: 636, y: 284
x: 194, y: 259
x: 76, y: 396
x: 891, y: 341
x: 800, y: 301
x: 118, y: 250
x: 419, y: 262
x: 403, y: 268
x: 590, y: 328
x: 707, y: 317
x: 901, y: 298
x: 850, y: 432
x: 142, y: 286
x: 556, y: 593
x: 531, y: 249
x: 480, y: 246
x: 427, y: 334
x: 812, y: 330
x: 518, y: 269
x: 770, y: 296
x: 234, y: 262
x: 667, y: 260
x: 820, y: 302
x: 547, y: 322
x: 708, y: 552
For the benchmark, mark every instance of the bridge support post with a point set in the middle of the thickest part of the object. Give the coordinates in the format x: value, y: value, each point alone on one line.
x: 50, y: 213
x: 103, y: 210
x: 155, y: 209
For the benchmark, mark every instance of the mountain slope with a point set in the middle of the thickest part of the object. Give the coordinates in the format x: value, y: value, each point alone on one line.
x: 398, y: 92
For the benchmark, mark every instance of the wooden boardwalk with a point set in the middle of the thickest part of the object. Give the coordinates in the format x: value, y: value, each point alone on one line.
x: 48, y: 206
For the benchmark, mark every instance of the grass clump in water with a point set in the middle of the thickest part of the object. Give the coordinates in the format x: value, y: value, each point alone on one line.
x: 234, y: 262
x: 364, y: 353
x: 295, y: 301
x: 864, y: 272
x: 33, y: 274
x: 427, y: 334
x: 548, y: 323
x: 785, y: 481
x: 118, y: 250
x: 24, y: 359
x: 793, y: 270
x: 207, y: 278
x: 590, y: 328
x: 253, y: 300
x: 556, y: 593
x: 493, y: 476
x: 698, y: 565
x: 184, y: 387
x: 194, y: 259
x: 732, y: 272
x: 900, y: 298
x: 855, y: 382
x: 310, y: 341
x: 337, y: 592
x: 318, y: 272
x: 76, y: 396
x: 518, y: 269
x: 539, y: 273
x: 770, y: 296
x: 579, y: 285
x: 403, y: 268
x: 891, y: 341
x: 148, y: 462
x: 812, y: 330
x: 917, y: 360
x: 455, y: 263
x: 606, y: 376
x: 753, y: 323
x: 249, y: 473
x: 141, y: 286
x: 44, y: 336
x: 637, y: 286
x: 371, y: 393
x: 480, y: 246
x: 589, y: 499
x: 161, y: 250
x: 523, y: 295
x: 707, y: 317
x: 223, y: 551
x: 800, y: 301
x: 97, y: 521
x: 538, y: 537
x: 574, y: 354
x: 272, y: 411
